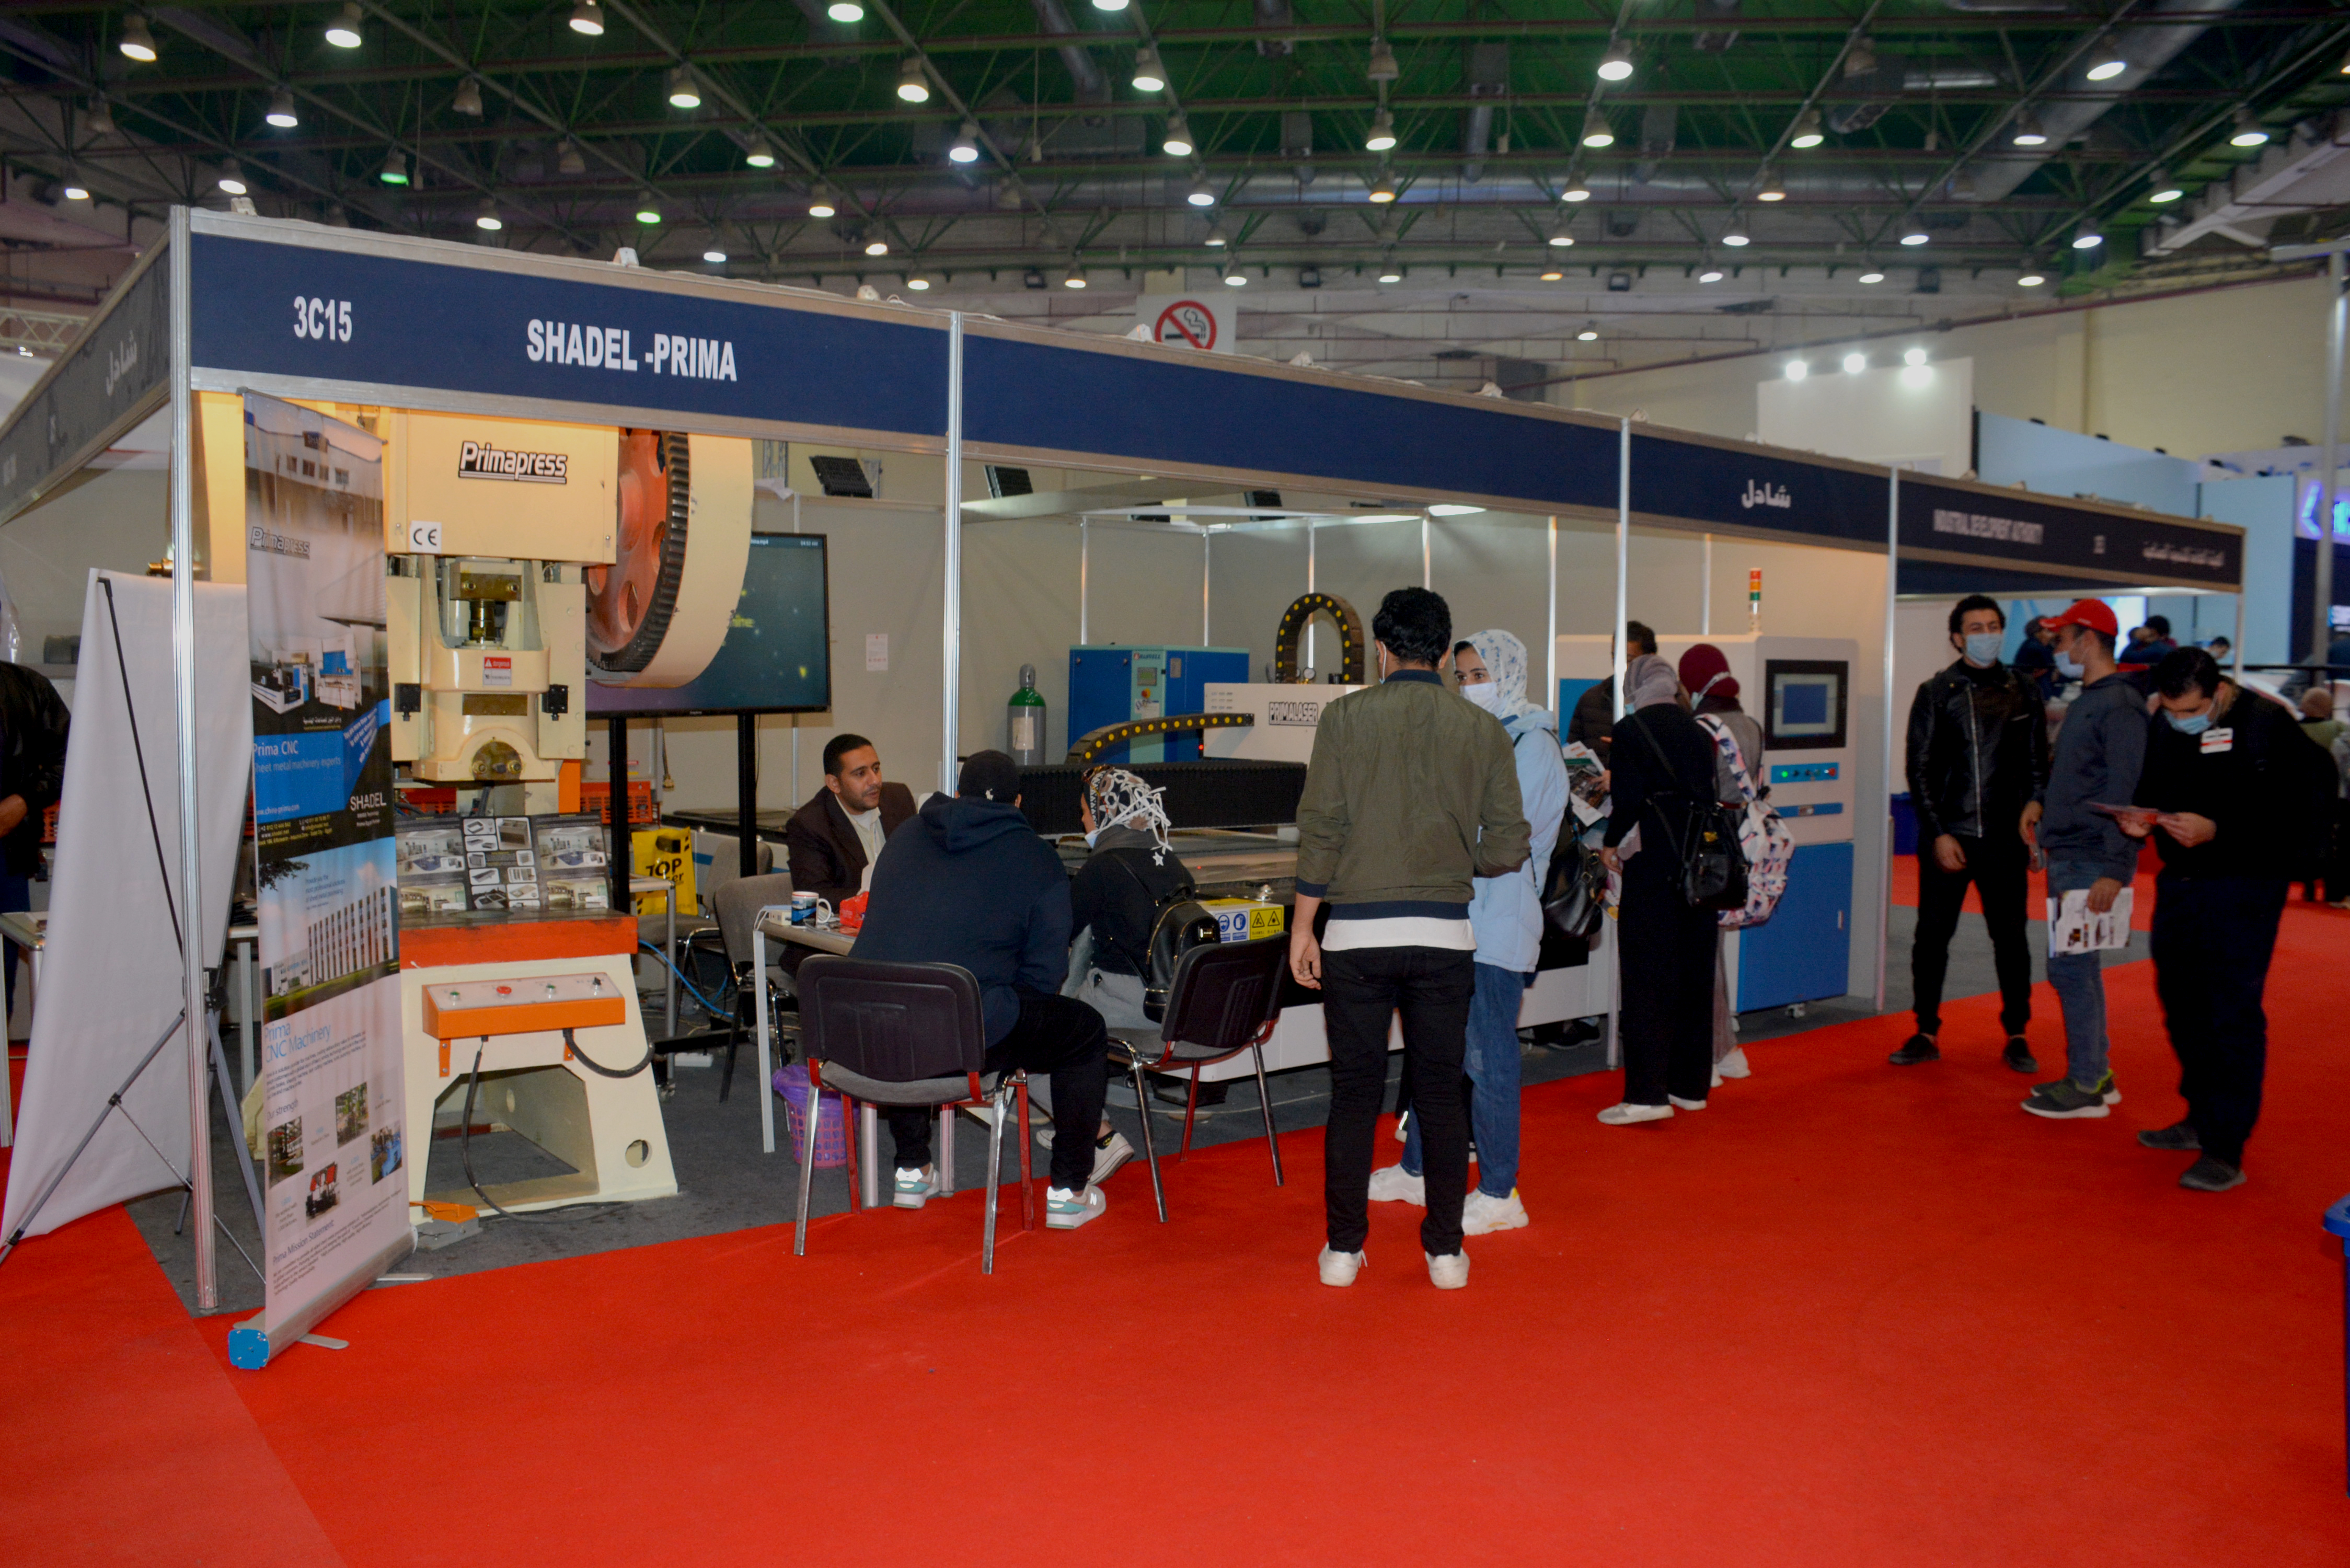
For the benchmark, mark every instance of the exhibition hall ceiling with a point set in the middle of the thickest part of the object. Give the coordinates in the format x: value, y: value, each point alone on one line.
x: 1578, y: 186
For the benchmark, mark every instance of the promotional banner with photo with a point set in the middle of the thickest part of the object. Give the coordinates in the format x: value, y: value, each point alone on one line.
x: 333, y: 1117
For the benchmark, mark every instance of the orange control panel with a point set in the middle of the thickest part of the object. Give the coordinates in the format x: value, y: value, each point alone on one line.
x: 466, y: 1010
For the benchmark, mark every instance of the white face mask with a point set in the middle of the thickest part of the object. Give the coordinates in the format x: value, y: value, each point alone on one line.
x: 1486, y: 694
x: 1097, y: 833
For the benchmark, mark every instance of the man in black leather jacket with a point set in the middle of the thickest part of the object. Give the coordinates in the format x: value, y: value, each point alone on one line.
x: 33, y: 723
x: 1977, y: 770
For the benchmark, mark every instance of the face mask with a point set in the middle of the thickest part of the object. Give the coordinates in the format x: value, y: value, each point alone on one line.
x: 1484, y: 693
x: 1982, y: 647
x: 2194, y: 726
x: 2067, y: 668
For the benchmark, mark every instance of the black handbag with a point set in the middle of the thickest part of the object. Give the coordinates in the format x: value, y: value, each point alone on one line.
x: 1712, y: 865
x: 1573, y: 895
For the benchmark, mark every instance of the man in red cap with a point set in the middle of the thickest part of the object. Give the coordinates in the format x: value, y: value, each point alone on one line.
x: 2100, y: 751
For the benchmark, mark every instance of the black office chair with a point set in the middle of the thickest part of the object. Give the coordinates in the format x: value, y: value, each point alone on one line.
x: 1225, y: 1000
x: 729, y: 939
x: 904, y: 1034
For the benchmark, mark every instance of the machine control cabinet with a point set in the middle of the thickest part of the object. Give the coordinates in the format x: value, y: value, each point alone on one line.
x: 1109, y: 684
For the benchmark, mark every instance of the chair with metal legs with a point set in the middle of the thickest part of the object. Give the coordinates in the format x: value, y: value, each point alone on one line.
x: 1225, y: 1000
x: 904, y: 1034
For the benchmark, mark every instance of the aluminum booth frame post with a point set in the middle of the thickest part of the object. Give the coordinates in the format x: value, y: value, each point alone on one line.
x: 2320, y: 598
x: 1885, y: 860
x: 950, y: 589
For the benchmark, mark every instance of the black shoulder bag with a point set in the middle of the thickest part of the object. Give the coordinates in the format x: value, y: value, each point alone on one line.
x: 1704, y: 833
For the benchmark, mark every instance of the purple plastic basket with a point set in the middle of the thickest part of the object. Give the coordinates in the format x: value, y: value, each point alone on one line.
x: 831, y: 1136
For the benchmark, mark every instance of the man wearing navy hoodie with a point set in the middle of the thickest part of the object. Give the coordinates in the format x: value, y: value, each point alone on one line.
x: 969, y: 882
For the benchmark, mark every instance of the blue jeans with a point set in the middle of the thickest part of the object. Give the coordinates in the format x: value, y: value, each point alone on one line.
x: 1494, y: 1068
x: 2079, y: 980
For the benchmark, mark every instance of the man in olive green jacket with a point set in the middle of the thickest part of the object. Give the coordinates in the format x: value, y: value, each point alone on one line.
x: 1411, y: 796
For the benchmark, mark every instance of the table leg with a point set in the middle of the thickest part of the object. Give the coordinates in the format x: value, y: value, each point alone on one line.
x: 944, y: 1153
x: 869, y: 1148
x: 244, y: 1012
x: 759, y: 1022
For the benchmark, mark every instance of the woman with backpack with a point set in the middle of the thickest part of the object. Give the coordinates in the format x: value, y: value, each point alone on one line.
x: 1117, y: 893
x: 1713, y: 696
x: 1663, y: 764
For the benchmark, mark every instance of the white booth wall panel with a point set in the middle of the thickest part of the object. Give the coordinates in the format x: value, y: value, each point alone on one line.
x: 113, y: 519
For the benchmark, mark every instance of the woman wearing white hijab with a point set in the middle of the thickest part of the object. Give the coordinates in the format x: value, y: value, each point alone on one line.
x: 1666, y: 947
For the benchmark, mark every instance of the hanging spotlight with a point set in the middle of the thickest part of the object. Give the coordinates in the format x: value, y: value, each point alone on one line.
x: 2162, y: 188
x: 1552, y: 275
x: 2030, y: 280
x: 469, y: 98
x: 1109, y: 5
x: 1711, y: 274
x: 343, y: 32
x: 571, y: 160
x: 1559, y: 237
x: 1808, y: 134
x: 395, y: 168
x: 1236, y: 279
x: 73, y: 190
x: 760, y: 154
x: 232, y: 178
x: 1860, y: 60
x: 2108, y: 64
x: 1797, y: 369
x: 1073, y: 278
x: 1913, y: 235
x: 1217, y: 238
x: 1382, y: 67
x: 1390, y: 274
x: 1596, y: 131
x: 821, y: 203
x: 99, y: 119
x: 1176, y: 143
x: 964, y: 148
x: 1200, y: 194
x: 2346, y: 65
x: 845, y: 11
x: 1770, y: 187
x: 1872, y: 276
x: 876, y: 248
x: 2086, y: 238
x: 2027, y: 131
x: 1913, y: 358
x: 1616, y: 65
x: 918, y: 282
x: 1382, y: 136
x: 1577, y: 191
x: 1383, y: 189
x: 487, y: 219
x: 1149, y: 75
x: 137, y: 41
x: 912, y: 86
x: 1736, y: 237
x: 282, y: 113
x: 1854, y: 364
x: 647, y: 210
x: 587, y: 18
x: 1588, y: 335
x: 2250, y: 132
x: 714, y: 257
x: 682, y: 92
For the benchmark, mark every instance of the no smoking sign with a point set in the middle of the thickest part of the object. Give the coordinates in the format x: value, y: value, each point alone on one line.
x: 1187, y: 324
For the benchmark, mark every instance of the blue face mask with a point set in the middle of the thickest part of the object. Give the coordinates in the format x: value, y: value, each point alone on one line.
x: 1982, y: 647
x: 2194, y: 726
x: 2067, y: 667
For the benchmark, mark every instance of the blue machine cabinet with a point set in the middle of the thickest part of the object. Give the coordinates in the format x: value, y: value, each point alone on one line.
x: 1803, y: 951
x: 1113, y: 685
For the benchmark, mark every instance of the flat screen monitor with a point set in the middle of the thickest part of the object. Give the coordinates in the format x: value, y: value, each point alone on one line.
x: 1805, y: 703
x: 777, y: 656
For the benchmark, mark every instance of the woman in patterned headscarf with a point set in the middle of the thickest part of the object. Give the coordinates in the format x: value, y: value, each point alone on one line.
x: 1115, y: 896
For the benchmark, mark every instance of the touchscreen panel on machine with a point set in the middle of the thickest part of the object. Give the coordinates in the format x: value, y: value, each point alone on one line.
x: 1806, y: 706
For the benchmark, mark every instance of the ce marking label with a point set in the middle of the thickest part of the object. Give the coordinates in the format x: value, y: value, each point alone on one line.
x: 424, y: 538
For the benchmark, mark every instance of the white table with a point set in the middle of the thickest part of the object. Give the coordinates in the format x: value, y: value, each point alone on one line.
x: 775, y: 920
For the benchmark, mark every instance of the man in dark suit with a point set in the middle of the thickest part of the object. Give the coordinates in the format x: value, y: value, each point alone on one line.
x: 836, y: 836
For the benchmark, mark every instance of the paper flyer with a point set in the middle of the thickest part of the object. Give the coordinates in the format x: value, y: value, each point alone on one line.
x: 333, y: 1116
x: 2073, y: 929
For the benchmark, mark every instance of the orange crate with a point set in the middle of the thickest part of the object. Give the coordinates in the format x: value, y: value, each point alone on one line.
x: 598, y: 798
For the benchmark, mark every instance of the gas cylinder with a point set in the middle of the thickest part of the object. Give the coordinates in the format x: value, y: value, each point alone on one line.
x: 1023, y: 720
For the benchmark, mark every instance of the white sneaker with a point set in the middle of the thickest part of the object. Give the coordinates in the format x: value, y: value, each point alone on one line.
x: 1715, y: 1082
x: 1448, y: 1273
x: 1339, y: 1268
x: 915, y: 1187
x: 1735, y: 1065
x: 1686, y: 1104
x: 1482, y: 1215
x: 1393, y: 1184
x: 1065, y: 1210
x: 1108, y: 1157
x: 1625, y: 1114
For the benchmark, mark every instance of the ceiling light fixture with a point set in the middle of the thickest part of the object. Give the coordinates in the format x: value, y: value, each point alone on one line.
x: 232, y: 180
x: 1736, y: 237
x: 469, y: 98
x: 2027, y: 132
x: 395, y: 168
x: 1383, y: 189
x: 1913, y: 357
x: 99, y: 119
x: 343, y: 32
x: 1854, y: 364
x: 587, y: 19
x: 821, y: 203
x: 282, y: 112
x: 714, y: 257
x: 1391, y: 273
x: 1597, y: 133
x: 647, y: 210
x: 1797, y: 369
x: 1149, y: 75
x: 1177, y: 143
x: 912, y: 84
x: 1577, y: 191
x: 1236, y: 279
x: 1552, y: 275
x: 1382, y: 67
x: 1770, y: 187
x: 2109, y: 64
x: 683, y: 91
x: 1588, y: 335
x: 487, y: 219
x: 137, y: 41
x: 1073, y: 278
x: 1860, y: 59
x: 1217, y: 238
x: 1616, y: 65
x: 571, y: 160
x: 1808, y: 131
x: 1872, y: 276
x: 846, y: 12
x: 1711, y: 274
x: 1200, y: 194
x: 760, y: 154
x: 2030, y: 280
x: 1382, y: 136
x: 964, y: 148
x: 1109, y: 5
x: 876, y: 247
x: 1913, y: 235
x: 1559, y: 237
x: 2250, y: 132
x: 2086, y: 238
x: 918, y: 282
x: 2162, y: 188
x: 73, y: 190
x: 1454, y: 509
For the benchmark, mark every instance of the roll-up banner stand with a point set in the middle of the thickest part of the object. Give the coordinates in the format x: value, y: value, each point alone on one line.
x: 334, y: 1115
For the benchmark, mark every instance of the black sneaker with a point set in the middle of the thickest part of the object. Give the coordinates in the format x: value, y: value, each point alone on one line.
x: 1919, y: 1048
x: 2018, y: 1055
x: 2065, y: 1099
x: 2212, y: 1174
x: 2178, y: 1138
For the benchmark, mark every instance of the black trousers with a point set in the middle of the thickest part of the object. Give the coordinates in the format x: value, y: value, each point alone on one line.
x: 1362, y: 989
x: 1998, y: 868
x: 1665, y: 951
x: 2212, y: 940
x: 1058, y: 1035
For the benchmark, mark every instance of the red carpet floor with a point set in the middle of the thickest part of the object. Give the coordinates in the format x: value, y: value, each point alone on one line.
x: 1848, y: 1315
